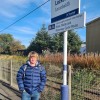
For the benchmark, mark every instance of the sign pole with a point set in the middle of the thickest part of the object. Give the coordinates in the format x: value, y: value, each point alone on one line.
x: 65, y: 15
x: 64, y: 87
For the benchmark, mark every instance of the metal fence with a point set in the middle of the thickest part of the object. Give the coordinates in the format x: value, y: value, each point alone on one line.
x: 86, y: 84
x: 83, y: 83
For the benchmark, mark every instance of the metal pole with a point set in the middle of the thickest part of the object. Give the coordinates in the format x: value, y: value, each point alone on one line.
x: 64, y: 87
x: 65, y: 60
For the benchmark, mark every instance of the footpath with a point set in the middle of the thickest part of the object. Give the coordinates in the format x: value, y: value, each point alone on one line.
x: 8, y: 93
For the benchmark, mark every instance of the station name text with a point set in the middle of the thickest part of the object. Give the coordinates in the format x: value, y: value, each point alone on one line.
x: 57, y: 2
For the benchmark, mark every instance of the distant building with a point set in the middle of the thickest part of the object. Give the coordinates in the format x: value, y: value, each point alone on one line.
x: 83, y: 49
x: 22, y: 52
x: 93, y: 36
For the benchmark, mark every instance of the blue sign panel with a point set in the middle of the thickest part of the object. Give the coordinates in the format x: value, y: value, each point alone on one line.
x: 65, y: 15
x: 50, y: 27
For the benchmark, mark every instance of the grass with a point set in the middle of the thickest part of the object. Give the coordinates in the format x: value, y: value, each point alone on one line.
x: 76, y: 61
x: 87, y: 61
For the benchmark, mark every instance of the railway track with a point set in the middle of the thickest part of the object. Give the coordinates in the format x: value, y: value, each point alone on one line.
x: 3, y: 97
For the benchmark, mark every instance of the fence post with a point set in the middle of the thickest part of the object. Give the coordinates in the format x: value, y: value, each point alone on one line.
x: 11, y: 73
x: 69, y: 80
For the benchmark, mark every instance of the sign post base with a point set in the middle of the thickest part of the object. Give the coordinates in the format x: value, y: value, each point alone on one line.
x: 64, y: 92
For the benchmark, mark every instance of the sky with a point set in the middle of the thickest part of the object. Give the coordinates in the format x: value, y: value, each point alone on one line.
x: 25, y: 30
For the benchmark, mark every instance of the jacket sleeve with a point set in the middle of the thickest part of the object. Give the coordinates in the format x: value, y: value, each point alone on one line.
x: 19, y: 78
x: 43, y: 80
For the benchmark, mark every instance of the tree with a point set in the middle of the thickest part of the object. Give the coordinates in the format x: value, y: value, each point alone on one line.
x: 74, y: 42
x: 41, y: 41
x: 5, y: 42
x: 56, y: 44
x: 8, y: 44
x: 16, y: 45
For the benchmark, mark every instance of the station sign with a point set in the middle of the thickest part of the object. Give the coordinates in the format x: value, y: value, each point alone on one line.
x: 61, y: 9
x: 74, y: 22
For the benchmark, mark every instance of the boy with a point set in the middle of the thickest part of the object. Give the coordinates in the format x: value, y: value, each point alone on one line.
x: 31, y: 78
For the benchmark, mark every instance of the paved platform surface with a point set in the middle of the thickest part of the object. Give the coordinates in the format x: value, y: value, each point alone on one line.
x: 8, y: 93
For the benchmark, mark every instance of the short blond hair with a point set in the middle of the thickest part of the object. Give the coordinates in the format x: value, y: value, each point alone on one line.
x: 33, y: 54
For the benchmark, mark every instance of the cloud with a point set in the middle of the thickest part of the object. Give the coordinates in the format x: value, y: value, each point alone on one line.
x: 10, y: 8
x: 24, y: 30
x: 18, y: 2
x: 24, y: 34
x: 37, y: 21
x: 45, y: 8
x: 8, y: 14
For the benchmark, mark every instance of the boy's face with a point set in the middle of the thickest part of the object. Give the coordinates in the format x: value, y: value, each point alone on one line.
x: 33, y: 60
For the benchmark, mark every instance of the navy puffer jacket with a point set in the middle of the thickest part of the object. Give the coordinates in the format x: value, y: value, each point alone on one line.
x: 31, y: 79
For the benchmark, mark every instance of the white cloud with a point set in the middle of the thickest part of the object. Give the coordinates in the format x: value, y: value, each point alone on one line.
x: 24, y: 30
x: 10, y: 8
x: 18, y: 2
x: 45, y: 8
x: 24, y: 34
x: 8, y: 14
x: 38, y: 21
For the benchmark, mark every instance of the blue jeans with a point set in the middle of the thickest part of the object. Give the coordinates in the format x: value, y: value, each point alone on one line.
x: 26, y: 96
